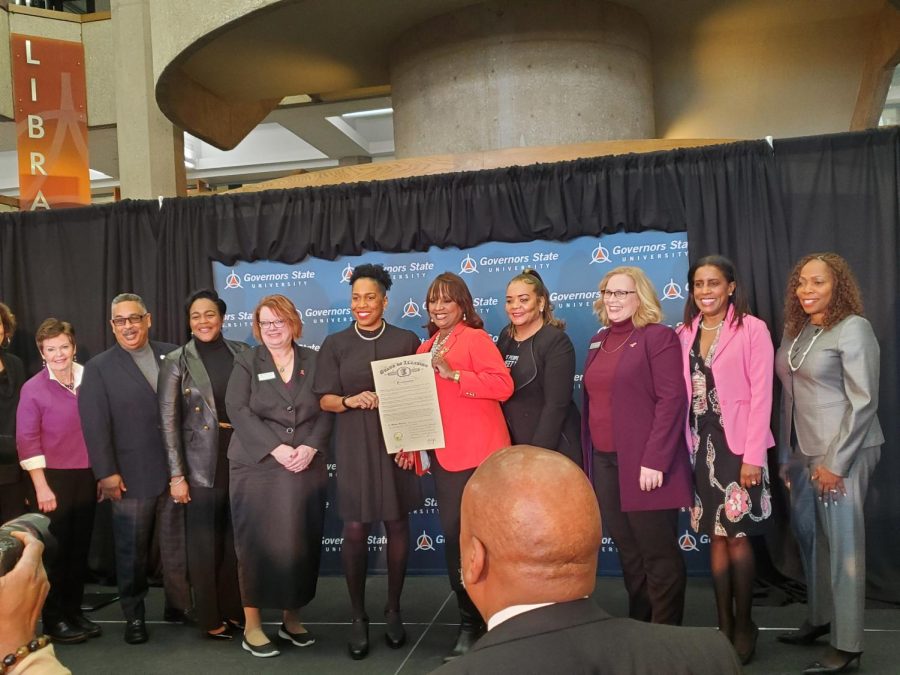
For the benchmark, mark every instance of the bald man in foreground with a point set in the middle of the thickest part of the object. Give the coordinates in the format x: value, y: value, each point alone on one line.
x: 529, y: 541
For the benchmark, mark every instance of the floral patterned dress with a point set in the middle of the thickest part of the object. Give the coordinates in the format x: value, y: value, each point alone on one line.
x: 721, y: 506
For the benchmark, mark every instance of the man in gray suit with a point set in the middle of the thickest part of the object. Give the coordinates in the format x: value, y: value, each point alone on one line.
x: 120, y: 419
x: 529, y: 541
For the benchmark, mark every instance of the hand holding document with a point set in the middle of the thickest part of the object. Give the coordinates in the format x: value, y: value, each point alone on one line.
x: 408, y: 403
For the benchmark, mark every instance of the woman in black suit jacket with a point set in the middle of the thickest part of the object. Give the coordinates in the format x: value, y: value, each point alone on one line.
x: 196, y: 432
x: 12, y: 377
x: 278, y: 474
x: 541, y: 360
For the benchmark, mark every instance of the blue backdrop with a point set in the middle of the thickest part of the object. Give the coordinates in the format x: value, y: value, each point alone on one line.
x: 571, y: 270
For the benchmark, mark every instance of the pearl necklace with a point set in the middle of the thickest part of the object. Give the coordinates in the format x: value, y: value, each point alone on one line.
x: 815, y: 337
x: 374, y: 337
x: 716, y: 327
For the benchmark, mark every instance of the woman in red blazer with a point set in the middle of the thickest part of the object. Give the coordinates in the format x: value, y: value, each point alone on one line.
x: 728, y: 370
x: 472, y: 380
x: 632, y: 434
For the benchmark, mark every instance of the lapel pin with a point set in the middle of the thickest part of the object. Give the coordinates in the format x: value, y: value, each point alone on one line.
x: 633, y: 344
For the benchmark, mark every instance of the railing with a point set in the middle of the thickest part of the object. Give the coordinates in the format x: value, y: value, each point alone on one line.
x: 71, y: 6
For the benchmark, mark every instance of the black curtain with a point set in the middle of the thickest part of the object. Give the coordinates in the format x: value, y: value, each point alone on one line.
x: 761, y: 208
x: 70, y: 263
x: 841, y: 193
x: 706, y: 188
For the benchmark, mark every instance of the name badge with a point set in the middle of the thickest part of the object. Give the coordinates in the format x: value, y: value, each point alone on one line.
x: 262, y: 377
x: 594, y: 345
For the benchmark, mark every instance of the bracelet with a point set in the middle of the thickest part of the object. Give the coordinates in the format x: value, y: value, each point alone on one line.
x: 10, y: 660
x: 176, y: 482
x: 344, y: 401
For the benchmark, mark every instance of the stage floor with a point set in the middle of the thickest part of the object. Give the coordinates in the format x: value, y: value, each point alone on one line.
x: 430, y: 615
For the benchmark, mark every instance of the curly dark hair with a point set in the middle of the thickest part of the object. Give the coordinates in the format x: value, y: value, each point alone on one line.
x: 845, y: 296
x: 376, y: 273
x: 8, y: 319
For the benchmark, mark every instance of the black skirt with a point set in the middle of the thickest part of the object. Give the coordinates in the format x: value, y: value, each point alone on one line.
x: 278, y: 521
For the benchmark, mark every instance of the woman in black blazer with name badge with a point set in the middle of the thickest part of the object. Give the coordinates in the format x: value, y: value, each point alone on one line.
x: 278, y: 474
x: 196, y: 433
x: 541, y: 360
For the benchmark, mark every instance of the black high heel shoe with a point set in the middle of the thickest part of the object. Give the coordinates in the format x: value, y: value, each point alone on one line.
x: 834, y: 661
x: 358, y: 646
x: 805, y: 635
x: 394, y: 632
x: 747, y: 656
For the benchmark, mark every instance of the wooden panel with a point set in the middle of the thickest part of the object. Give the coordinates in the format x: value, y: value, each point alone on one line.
x: 883, y: 57
x: 474, y: 161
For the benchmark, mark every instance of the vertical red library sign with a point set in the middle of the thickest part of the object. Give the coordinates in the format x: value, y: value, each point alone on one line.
x: 50, y: 100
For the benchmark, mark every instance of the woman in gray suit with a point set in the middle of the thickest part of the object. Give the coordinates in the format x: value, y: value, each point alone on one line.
x: 830, y: 442
x: 196, y: 433
x: 278, y: 474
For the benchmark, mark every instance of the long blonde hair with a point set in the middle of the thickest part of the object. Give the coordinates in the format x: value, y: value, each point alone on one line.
x: 649, y: 311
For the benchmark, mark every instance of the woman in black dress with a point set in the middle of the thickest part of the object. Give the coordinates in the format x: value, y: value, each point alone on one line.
x: 278, y: 474
x: 728, y: 359
x: 12, y: 377
x: 541, y: 360
x: 196, y: 432
x: 371, y: 487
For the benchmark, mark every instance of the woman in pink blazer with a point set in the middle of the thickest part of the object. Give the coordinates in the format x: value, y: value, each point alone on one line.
x: 472, y: 380
x: 728, y: 371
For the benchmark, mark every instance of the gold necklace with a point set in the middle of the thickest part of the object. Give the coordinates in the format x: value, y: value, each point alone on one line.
x: 613, y: 351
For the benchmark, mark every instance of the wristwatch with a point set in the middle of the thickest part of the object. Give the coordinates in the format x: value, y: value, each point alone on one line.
x: 456, y: 376
x: 344, y: 401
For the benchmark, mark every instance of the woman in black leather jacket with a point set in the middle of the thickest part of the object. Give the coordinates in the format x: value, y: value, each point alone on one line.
x: 196, y: 433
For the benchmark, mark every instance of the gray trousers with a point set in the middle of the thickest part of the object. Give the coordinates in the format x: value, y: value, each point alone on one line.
x: 831, y: 534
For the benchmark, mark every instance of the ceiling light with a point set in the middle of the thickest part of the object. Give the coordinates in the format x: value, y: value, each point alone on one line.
x: 378, y: 112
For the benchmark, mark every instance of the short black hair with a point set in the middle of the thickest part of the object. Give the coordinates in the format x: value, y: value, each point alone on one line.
x: 376, y: 273
x: 204, y: 294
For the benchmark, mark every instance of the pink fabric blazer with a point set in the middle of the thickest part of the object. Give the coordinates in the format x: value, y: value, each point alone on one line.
x: 474, y: 426
x: 743, y: 369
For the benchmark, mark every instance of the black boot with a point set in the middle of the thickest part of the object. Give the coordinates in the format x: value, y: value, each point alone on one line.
x: 471, y: 627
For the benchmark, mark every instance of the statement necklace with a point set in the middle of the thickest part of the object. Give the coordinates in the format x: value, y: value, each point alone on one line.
x: 792, y: 353
x: 438, y: 346
x: 613, y: 351
x: 374, y: 337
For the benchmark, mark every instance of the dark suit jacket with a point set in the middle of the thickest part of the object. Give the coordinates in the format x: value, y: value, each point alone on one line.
x: 187, y: 411
x: 11, y: 380
x: 120, y: 420
x: 266, y: 413
x: 649, y: 410
x: 579, y: 637
x: 541, y: 411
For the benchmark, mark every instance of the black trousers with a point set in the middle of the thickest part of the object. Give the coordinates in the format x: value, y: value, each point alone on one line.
x: 71, y: 524
x: 212, y: 563
x: 652, y: 564
x: 12, y: 500
x: 448, y: 488
x: 134, y: 521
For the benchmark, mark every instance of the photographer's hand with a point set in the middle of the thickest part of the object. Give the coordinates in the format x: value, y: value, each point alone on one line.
x: 22, y: 594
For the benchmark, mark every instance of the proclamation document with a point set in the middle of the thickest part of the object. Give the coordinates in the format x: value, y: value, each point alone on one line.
x: 408, y: 403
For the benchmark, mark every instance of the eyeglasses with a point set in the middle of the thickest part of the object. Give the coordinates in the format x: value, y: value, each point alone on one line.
x: 277, y: 323
x: 134, y: 319
x: 618, y: 295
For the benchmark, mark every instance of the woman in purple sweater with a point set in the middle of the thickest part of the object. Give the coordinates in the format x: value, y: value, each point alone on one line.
x: 52, y: 450
x: 633, y: 445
